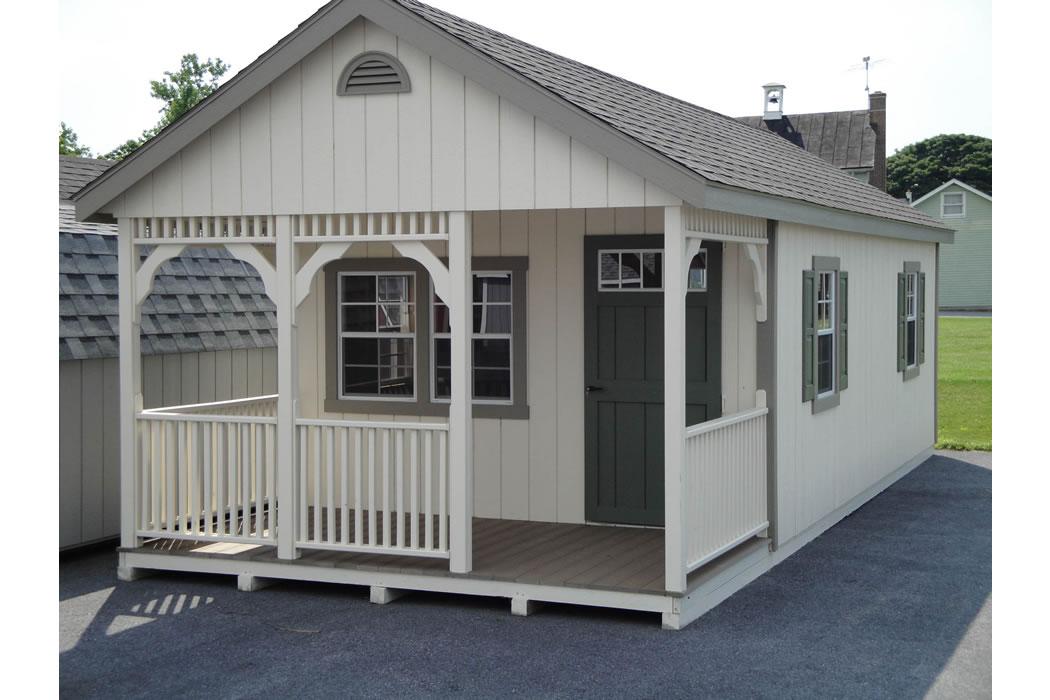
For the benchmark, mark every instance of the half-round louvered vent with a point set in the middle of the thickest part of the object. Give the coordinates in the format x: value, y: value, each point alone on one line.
x: 372, y: 73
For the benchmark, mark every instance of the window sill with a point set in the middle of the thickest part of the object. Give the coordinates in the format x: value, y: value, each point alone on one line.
x: 822, y: 404
x: 421, y: 408
x: 911, y: 373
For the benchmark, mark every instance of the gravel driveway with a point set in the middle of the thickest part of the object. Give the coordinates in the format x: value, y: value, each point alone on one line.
x: 895, y: 601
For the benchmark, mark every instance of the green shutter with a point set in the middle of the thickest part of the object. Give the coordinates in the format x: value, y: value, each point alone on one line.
x: 902, y: 324
x: 921, y: 317
x: 843, y: 335
x: 809, y: 335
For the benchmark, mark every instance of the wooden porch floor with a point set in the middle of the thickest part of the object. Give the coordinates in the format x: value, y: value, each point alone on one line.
x: 625, y: 559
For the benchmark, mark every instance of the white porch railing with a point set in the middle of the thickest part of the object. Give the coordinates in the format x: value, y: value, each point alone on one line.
x: 725, y: 484
x: 373, y: 487
x: 253, y: 406
x: 206, y: 477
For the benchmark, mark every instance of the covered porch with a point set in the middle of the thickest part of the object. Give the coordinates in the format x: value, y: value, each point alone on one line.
x: 257, y: 486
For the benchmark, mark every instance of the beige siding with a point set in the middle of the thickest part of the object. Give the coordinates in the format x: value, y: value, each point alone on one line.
x: 89, y: 453
x: 447, y: 144
x: 534, y: 469
x: 825, y: 460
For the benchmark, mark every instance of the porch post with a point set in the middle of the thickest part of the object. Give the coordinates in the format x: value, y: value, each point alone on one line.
x: 460, y: 415
x: 287, y: 390
x: 130, y: 378
x: 674, y: 398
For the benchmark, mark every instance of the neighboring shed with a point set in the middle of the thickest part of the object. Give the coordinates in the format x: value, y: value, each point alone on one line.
x: 207, y: 335
x: 854, y: 141
x: 966, y: 267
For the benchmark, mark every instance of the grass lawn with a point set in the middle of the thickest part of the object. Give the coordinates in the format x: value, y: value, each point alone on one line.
x: 964, y: 390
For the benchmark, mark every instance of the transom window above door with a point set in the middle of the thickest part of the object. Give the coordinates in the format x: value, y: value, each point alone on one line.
x: 643, y: 270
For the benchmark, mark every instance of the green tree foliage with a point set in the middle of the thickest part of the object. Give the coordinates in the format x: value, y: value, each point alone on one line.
x: 68, y: 145
x: 926, y: 165
x: 180, y: 91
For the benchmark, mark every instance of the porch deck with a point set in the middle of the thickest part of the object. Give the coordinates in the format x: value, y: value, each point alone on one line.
x: 594, y: 557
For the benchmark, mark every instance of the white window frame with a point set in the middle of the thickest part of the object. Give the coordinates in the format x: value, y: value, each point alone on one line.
x: 509, y: 337
x: 832, y: 305
x: 341, y: 367
x: 962, y: 204
x: 640, y: 251
x: 911, y: 316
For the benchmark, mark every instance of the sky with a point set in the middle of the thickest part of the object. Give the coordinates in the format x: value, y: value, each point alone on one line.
x: 933, y: 59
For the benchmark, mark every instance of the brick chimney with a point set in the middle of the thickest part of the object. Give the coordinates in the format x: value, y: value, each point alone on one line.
x: 877, y: 120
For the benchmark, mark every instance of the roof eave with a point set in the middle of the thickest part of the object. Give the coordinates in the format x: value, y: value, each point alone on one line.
x: 953, y: 181
x: 750, y: 203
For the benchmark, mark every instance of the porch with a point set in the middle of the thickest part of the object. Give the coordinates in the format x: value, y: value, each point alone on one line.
x: 301, y: 487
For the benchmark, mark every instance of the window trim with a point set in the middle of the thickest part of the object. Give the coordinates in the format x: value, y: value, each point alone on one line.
x: 962, y: 196
x: 827, y: 400
x: 423, y: 405
x: 414, y: 335
x: 832, y: 331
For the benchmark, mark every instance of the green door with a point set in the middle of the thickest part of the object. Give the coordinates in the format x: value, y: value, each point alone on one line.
x: 624, y: 370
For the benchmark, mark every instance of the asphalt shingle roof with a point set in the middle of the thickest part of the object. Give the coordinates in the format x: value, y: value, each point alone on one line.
x: 716, y: 147
x: 844, y: 139
x: 202, y: 300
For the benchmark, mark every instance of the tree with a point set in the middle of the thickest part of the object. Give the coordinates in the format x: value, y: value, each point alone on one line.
x: 180, y: 91
x: 68, y: 145
x: 926, y: 165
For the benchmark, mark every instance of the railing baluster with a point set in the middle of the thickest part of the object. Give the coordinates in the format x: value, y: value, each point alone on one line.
x: 443, y: 491
x: 414, y: 462
x: 359, y: 537
x: 344, y: 482
x: 304, y: 530
x: 315, y: 462
x: 386, y: 487
x: 428, y: 539
x: 330, y: 483
x: 399, y: 458
x: 259, y: 461
x: 371, y: 487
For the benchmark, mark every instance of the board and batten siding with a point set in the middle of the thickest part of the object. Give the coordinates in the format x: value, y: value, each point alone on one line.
x: 448, y: 144
x: 825, y: 460
x: 966, y: 264
x: 534, y: 469
x: 89, y: 432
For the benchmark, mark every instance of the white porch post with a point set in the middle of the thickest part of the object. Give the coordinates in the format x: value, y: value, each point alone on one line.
x: 674, y: 397
x: 130, y: 379
x: 287, y: 390
x: 460, y: 415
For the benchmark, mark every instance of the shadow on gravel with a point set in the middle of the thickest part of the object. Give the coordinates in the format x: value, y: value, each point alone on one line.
x: 874, y: 607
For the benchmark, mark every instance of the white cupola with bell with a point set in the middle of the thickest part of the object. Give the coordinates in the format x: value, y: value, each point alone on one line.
x: 773, y: 104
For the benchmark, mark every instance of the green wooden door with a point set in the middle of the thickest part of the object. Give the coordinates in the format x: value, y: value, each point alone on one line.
x: 624, y: 371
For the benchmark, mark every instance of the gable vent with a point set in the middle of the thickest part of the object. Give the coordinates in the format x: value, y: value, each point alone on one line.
x: 372, y: 73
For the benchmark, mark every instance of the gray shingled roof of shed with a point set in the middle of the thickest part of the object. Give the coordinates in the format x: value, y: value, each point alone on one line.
x: 716, y: 147
x: 74, y: 173
x: 202, y: 300
x: 844, y: 139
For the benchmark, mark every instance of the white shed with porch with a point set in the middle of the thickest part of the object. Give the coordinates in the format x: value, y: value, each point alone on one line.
x: 543, y: 334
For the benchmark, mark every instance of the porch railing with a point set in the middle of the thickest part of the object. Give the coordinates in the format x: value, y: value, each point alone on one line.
x: 725, y: 484
x: 207, y: 476
x: 375, y: 487
x: 253, y: 406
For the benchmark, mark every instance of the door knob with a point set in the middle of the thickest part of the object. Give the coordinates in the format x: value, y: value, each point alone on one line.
x: 590, y: 388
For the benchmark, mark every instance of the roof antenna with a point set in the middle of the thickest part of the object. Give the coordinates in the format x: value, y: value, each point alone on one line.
x: 868, y: 63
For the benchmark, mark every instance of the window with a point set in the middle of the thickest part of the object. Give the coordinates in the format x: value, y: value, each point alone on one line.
x: 911, y: 319
x: 377, y: 335
x: 387, y: 342
x: 911, y: 283
x: 825, y: 334
x: 492, y: 339
x: 642, y: 270
x: 953, y: 204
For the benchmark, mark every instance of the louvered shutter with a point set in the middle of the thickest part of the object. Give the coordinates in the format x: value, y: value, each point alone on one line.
x: 842, y: 341
x: 809, y: 335
x: 921, y: 317
x: 902, y: 323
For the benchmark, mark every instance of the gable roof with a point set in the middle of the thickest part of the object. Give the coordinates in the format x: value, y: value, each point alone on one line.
x: 680, y: 146
x: 844, y: 139
x: 953, y: 181
x: 202, y: 300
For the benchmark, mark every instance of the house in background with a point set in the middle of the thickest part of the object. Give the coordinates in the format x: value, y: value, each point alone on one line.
x: 543, y: 334
x: 966, y: 266
x: 207, y: 335
x: 854, y: 141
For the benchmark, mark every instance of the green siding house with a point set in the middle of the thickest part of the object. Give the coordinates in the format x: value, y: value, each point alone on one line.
x: 966, y: 266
